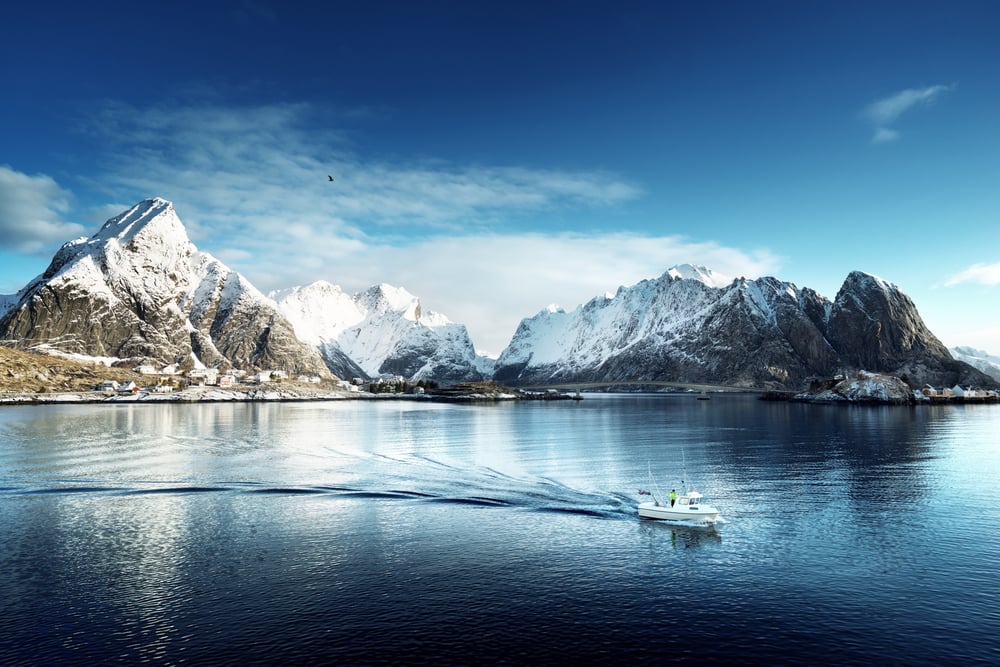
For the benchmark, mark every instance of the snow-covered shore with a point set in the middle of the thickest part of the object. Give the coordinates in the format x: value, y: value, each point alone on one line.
x: 877, y: 389
x: 464, y: 393
x: 193, y: 395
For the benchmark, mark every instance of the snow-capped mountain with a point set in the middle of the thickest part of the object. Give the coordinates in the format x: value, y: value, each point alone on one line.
x: 383, y: 329
x: 689, y: 325
x: 139, y: 291
x: 984, y: 361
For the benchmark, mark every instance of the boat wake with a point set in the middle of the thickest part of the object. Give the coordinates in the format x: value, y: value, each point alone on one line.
x: 379, y: 477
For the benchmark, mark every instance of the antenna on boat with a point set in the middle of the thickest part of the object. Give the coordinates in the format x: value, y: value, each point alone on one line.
x: 684, y: 470
x: 652, y: 483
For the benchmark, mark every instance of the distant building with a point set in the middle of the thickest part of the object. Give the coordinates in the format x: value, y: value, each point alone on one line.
x: 209, y: 376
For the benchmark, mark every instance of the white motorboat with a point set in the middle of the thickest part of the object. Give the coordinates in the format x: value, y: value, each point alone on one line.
x: 685, y: 507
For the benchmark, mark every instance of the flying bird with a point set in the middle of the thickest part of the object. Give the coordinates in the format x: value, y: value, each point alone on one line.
x: 330, y: 177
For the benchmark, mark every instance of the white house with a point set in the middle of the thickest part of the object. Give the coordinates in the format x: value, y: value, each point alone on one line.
x: 209, y: 376
x: 108, y: 387
x: 261, y: 377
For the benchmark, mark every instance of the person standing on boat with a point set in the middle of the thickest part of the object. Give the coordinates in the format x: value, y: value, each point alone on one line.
x: 673, y: 497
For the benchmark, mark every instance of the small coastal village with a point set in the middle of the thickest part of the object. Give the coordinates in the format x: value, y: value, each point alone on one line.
x: 881, y: 389
x: 38, y: 378
x: 33, y: 378
x: 863, y: 386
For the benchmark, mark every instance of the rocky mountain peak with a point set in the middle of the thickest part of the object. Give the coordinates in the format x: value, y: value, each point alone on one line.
x: 384, y: 298
x: 700, y: 273
x: 383, y: 329
x: 876, y: 326
x: 156, y: 214
x: 138, y: 291
x: 755, y: 333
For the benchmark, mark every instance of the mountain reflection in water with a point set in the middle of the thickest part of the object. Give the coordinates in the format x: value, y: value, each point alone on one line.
x: 399, y: 532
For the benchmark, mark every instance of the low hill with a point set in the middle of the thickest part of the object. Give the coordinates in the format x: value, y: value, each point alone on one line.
x: 26, y: 372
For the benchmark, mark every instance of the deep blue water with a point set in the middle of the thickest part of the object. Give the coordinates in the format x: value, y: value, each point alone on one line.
x: 422, y: 533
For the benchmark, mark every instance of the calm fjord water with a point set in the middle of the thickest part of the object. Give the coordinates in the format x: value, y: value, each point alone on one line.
x: 420, y: 533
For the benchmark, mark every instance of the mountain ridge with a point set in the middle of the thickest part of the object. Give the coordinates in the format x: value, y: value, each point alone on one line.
x: 763, y: 333
x: 383, y: 329
x: 138, y: 290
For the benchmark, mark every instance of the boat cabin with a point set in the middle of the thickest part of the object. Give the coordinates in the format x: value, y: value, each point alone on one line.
x: 692, y: 498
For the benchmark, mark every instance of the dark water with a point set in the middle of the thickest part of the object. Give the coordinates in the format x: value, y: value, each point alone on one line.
x: 418, y: 533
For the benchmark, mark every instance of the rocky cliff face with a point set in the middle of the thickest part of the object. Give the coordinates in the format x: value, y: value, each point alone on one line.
x: 873, y: 325
x: 139, y: 291
x: 754, y: 333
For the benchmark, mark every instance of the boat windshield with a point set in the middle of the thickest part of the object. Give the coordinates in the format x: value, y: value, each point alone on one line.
x: 693, y: 499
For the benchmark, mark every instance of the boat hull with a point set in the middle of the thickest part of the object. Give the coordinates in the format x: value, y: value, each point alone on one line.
x: 704, y: 513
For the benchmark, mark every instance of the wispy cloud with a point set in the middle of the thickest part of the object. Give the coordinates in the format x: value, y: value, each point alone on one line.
x: 886, y: 111
x: 243, y: 165
x: 983, y: 274
x: 32, y: 212
x: 251, y: 186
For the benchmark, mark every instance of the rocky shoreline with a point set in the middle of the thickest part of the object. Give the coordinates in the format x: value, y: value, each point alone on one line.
x: 875, y: 389
x: 460, y: 393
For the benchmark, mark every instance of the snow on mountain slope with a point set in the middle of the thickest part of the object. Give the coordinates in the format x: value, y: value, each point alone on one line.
x: 984, y: 361
x: 700, y: 273
x: 689, y: 326
x: 383, y: 329
x: 664, y: 309
x: 319, y: 312
x: 139, y: 290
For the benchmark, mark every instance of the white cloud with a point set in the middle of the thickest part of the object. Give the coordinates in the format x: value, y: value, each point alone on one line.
x: 245, y: 168
x: 984, y: 274
x: 31, y: 212
x: 884, y: 112
x: 251, y: 187
x: 489, y: 282
x: 884, y: 135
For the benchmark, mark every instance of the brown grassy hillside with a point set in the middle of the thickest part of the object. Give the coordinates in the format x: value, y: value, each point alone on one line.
x: 29, y: 372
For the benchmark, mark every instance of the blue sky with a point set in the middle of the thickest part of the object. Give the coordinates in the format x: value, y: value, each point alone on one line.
x: 493, y: 158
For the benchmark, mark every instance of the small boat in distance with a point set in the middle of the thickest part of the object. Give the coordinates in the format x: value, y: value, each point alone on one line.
x: 703, y: 396
x: 687, y: 506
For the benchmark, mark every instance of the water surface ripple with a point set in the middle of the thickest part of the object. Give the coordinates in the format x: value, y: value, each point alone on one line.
x: 420, y: 533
